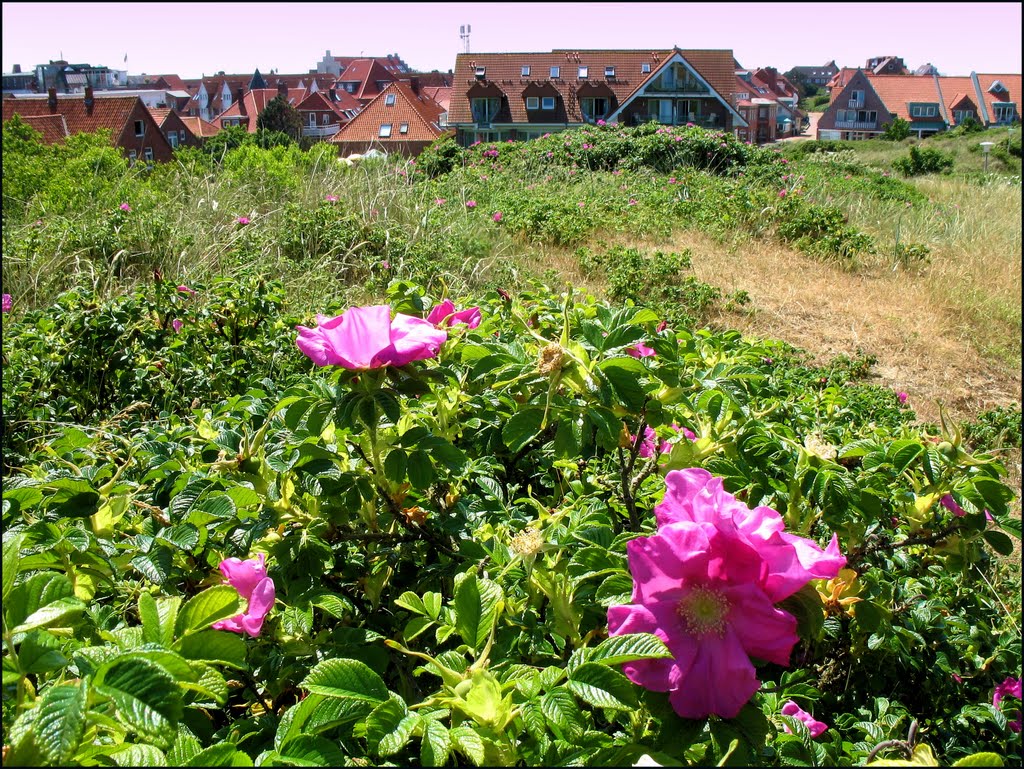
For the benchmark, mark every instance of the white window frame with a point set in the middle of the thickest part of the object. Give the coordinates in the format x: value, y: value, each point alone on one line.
x: 583, y: 72
x: 403, y: 128
x: 140, y: 128
x: 532, y: 102
x: 547, y: 102
x: 480, y: 72
x: 916, y: 111
x: 959, y: 115
x: 609, y: 71
x: 524, y: 71
x: 555, y: 73
x: 930, y: 111
x: 385, y: 130
x: 389, y: 100
x: 325, y: 119
x: 132, y: 156
x: 172, y: 139
x: 645, y: 68
x: 147, y: 153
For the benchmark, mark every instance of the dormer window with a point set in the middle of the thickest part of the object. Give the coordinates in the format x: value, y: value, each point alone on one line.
x: 481, y: 73
x: 609, y: 71
x: 555, y: 73
x: 645, y: 68
x: 524, y: 72
x: 996, y: 87
x: 389, y: 100
x: 547, y: 102
x: 584, y: 72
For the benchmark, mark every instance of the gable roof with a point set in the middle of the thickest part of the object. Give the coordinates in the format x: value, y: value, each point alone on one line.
x: 504, y: 72
x: 111, y: 112
x: 317, y: 102
x: 898, y: 91
x: 442, y: 96
x: 419, y: 112
x: 254, y: 102
x: 53, y: 127
x: 367, y: 72
x: 1012, y: 83
x: 198, y: 126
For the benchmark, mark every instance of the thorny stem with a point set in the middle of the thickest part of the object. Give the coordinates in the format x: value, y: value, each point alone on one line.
x: 930, y: 539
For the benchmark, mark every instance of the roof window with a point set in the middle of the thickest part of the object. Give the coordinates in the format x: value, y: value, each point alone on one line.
x: 389, y: 100
x: 996, y: 87
x: 584, y: 72
x: 481, y: 73
x: 403, y: 128
x: 385, y: 130
x: 645, y: 67
x: 555, y: 73
x: 609, y: 71
x: 524, y: 71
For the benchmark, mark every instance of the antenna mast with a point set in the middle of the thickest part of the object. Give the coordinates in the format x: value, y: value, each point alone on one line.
x: 464, y: 31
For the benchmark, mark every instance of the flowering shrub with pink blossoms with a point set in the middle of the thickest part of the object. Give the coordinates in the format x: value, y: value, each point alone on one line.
x: 518, y: 528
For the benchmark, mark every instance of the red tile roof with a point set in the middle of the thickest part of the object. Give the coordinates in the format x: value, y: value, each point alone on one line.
x: 111, y: 112
x: 367, y: 72
x: 898, y: 91
x: 198, y: 126
x: 503, y: 72
x: 442, y: 96
x: 1012, y: 83
x: 420, y: 113
x: 53, y: 127
x: 253, y: 103
x: 317, y: 102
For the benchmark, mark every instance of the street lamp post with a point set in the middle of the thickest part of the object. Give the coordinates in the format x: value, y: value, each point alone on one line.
x: 986, y: 148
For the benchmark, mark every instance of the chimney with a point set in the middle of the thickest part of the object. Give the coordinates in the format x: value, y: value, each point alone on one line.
x: 282, y: 89
x: 239, y: 98
x: 88, y: 100
x: 51, y: 100
x: 17, y: 69
x: 414, y: 84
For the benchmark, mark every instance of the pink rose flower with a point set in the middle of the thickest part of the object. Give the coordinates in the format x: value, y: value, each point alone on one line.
x: 250, y: 579
x: 243, y: 220
x: 950, y: 504
x: 662, y: 326
x: 186, y: 290
x: 706, y: 584
x: 816, y: 728
x: 632, y: 201
x: 640, y: 350
x: 444, y: 314
x: 440, y: 201
x: 497, y: 216
x: 1011, y: 687
x: 125, y: 207
x: 782, y: 193
x: 368, y: 338
x: 331, y: 198
x: 902, y: 396
x: 470, y: 204
x: 7, y: 303
x: 177, y: 324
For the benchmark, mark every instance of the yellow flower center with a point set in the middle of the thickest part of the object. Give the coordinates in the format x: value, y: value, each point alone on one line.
x: 703, y: 611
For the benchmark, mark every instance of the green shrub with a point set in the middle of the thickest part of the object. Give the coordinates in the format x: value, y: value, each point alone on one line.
x: 924, y: 160
x: 896, y: 131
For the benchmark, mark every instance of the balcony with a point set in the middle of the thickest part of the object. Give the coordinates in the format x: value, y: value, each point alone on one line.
x: 856, y: 125
x: 856, y: 103
x: 320, y: 132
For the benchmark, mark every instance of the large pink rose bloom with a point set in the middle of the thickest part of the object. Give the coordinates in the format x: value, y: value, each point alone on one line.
x: 815, y: 727
x: 706, y: 584
x: 367, y: 338
x: 250, y: 579
x: 444, y: 314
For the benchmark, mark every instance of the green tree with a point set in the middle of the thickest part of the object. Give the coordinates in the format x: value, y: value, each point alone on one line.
x: 279, y: 115
x: 896, y: 131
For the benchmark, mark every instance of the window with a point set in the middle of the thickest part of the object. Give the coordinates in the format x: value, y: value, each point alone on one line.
x: 147, y: 153
x: 172, y: 139
x: 996, y: 87
x: 532, y: 102
x: 930, y: 112
x: 584, y: 72
x: 140, y: 128
x: 858, y: 96
x: 916, y: 111
x: 524, y: 72
x: 389, y: 100
x: 645, y: 68
x: 481, y: 73
x: 742, y: 96
x: 594, y: 108
x: 403, y: 128
x: 547, y: 102
x: 555, y: 73
x: 484, y: 110
x: 959, y: 115
x: 326, y: 119
x: 385, y: 130
x: 132, y: 155
x: 1004, y: 113
x: 609, y: 71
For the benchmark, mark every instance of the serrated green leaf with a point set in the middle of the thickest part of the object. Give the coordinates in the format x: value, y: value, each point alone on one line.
x: 629, y: 648
x: 477, y: 604
x: 60, y: 611
x: 346, y: 679
x: 218, y: 646
x: 420, y: 470
x: 521, y: 427
x: 562, y: 712
x: 147, y: 698
x: 999, y: 542
x: 311, y: 750
x: 60, y: 722
x: 436, y: 744
x: 139, y: 755
x: 202, y: 610
x: 11, y: 560
x: 150, y: 617
x: 469, y: 743
x: 224, y: 754
x: 623, y: 374
x: 602, y: 687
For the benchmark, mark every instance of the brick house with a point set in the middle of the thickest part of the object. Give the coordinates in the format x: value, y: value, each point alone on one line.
x: 247, y: 105
x: 323, y: 118
x: 364, y: 79
x: 765, y: 83
x: 200, y: 128
x: 817, y: 75
x: 173, y: 127
x: 132, y: 127
x: 499, y: 96
x: 399, y: 120
x: 930, y: 103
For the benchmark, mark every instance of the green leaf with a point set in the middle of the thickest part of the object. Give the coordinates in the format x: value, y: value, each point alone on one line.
x: 902, y: 453
x: 420, y: 470
x: 562, y: 712
x: 60, y: 611
x: 395, y: 466
x: 61, y: 721
x: 346, y: 679
x: 202, y: 610
x: 436, y: 745
x: 220, y: 646
x: 628, y: 648
x: 147, y: 698
x: 623, y: 374
x: 11, y: 560
x: 311, y: 750
x: 223, y: 754
x: 150, y: 617
x: 469, y: 743
x: 477, y: 604
x: 1001, y: 543
x: 602, y: 687
x: 521, y: 427
x: 139, y: 755
x: 39, y: 653
x: 154, y: 565
x: 980, y: 759
x: 995, y: 494
x: 185, y: 747
x: 184, y: 536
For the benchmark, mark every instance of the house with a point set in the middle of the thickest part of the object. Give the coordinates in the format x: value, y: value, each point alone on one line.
x: 364, y: 79
x: 398, y: 120
x: 247, y: 106
x: 765, y: 83
x: 335, y: 65
x: 174, y: 128
x: 323, y: 118
x: 929, y: 103
x: 816, y: 75
x: 886, y: 65
x: 499, y: 96
x: 131, y: 125
x: 200, y: 128
x: 73, y: 78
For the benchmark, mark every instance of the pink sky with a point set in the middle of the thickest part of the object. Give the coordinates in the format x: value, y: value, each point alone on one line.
x: 191, y: 39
